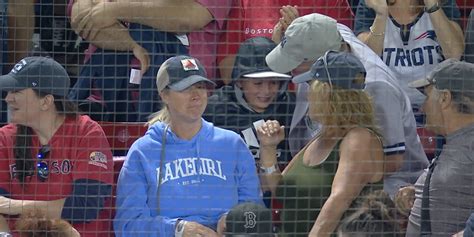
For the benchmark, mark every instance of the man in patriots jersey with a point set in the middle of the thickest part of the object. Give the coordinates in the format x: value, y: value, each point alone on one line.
x: 303, y: 44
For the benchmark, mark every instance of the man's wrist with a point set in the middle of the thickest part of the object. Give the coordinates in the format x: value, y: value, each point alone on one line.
x: 432, y: 8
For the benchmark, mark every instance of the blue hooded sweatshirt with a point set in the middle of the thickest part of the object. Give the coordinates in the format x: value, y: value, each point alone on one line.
x: 202, y: 179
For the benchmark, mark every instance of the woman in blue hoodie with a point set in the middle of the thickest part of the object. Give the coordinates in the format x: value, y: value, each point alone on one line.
x: 182, y: 177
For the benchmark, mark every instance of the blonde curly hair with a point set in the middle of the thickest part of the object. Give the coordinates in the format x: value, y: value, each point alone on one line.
x: 342, y: 107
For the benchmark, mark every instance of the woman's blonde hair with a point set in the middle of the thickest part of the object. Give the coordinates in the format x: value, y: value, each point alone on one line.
x: 163, y: 115
x: 345, y: 107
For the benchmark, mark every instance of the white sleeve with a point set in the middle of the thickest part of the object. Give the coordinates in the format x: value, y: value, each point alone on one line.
x: 389, y: 116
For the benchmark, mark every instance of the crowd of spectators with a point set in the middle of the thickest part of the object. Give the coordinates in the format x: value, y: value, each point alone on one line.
x: 330, y: 92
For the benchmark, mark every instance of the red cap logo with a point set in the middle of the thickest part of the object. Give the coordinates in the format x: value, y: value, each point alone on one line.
x: 189, y: 64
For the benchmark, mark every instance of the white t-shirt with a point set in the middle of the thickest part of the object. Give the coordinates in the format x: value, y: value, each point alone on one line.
x: 411, y: 55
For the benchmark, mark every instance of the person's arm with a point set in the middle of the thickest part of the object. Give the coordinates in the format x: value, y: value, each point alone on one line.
x: 448, y: 32
x: 21, y: 25
x: 389, y: 114
x: 114, y: 37
x: 360, y: 162
x: 229, y: 42
x: 288, y: 15
x: 117, y: 37
x: 10, y: 206
x: 179, y: 16
x: 92, y: 175
x: 370, y: 21
x: 270, y: 134
x: 4, y: 225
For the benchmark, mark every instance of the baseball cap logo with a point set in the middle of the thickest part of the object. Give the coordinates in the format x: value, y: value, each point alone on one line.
x: 250, y: 220
x: 189, y: 64
x: 19, y: 66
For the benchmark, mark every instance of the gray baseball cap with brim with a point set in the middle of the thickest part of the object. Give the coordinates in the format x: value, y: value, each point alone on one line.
x: 39, y: 73
x: 181, y: 72
x: 338, y: 68
x: 250, y: 60
x: 452, y: 75
x: 306, y: 39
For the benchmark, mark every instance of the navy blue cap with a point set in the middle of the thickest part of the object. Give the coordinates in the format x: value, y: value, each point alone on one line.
x: 39, y: 73
x: 180, y: 72
x: 337, y: 68
x: 249, y: 219
x: 250, y: 60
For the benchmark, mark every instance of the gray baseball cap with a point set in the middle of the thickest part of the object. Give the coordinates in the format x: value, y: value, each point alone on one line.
x: 306, y: 39
x: 452, y: 75
x: 39, y: 73
x: 337, y: 68
x: 180, y: 72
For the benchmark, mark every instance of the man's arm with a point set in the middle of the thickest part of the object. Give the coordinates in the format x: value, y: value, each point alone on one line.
x: 114, y: 37
x: 389, y: 115
x: 179, y: 16
x: 4, y: 225
x: 21, y: 24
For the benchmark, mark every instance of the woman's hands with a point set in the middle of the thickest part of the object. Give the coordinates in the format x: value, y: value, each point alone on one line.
x: 288, y: 15
x: 221, y: 225
x: 379, y: 6
x: 194, y: 229
x: 270, y: 134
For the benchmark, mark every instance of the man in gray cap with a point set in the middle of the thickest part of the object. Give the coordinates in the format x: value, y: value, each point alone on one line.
x: 305, y: 40
x: 447, y: 187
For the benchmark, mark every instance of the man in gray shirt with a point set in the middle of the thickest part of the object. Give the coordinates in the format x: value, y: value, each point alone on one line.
x: 448, y: 185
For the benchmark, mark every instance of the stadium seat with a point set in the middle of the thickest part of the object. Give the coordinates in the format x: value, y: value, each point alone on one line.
x: 121, y: 135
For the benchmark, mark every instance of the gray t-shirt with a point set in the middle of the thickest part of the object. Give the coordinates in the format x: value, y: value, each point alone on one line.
x: 451, y: 187
x: 393, y: 113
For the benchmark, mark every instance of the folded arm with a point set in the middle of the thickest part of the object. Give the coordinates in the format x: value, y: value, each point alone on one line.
x: 179, y: 16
